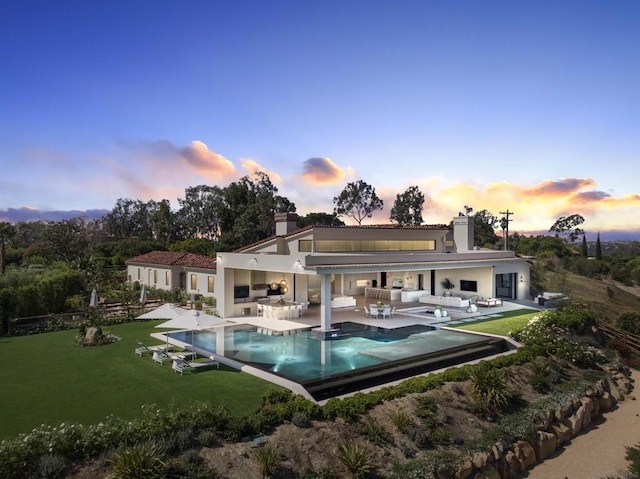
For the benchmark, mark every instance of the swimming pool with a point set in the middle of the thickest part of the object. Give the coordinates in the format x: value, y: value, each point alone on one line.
x: 360, y: 356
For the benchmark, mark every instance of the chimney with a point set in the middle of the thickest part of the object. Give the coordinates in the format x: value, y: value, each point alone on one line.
x: 463, y: 233
x: 286, y: 223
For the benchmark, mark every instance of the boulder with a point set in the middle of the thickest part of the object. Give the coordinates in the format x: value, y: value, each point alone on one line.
x: 525, y: 453
x: 508, y: 466
x: 488, y: 472
x: 545, y: 444
x: 587, y: 404
x: 562, y: 432
x: 465, y: 470
x: 480, y: 459
x: 606, y: 402
x: 575, y: 421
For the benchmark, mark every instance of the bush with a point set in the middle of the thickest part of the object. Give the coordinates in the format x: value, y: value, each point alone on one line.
x: 629, y: 322
x: 401, y: 420
x: 490, y: 389
x: 432, y: 466
x: 300, y: 419
x: 355, y: 458
x: 633, y: 455
x: 269, y: 459
x: 373, y: 432
x: 144, y: 460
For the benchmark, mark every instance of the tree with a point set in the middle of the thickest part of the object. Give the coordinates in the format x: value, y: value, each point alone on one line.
x: 7, y: 233
x: 568, y: 226
x: 358, y: 200
x: 199, y: 212
x: 584, y: 250
x: 407, y: 209
x: 598, y: 248
x: 320, y: 219
x: 484, y: 226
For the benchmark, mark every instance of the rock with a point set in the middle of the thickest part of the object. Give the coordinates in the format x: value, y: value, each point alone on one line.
x: 508, y: 466
x: 587, y: 404
x: 525, y: 453
x: 562, y: 432
x: 480, y: 459
x: 488, y: 472
x: 465, y: 471
x: 545, y: 444
x: 575, y: 421
x: 606, y: 402
x: 614, y: 391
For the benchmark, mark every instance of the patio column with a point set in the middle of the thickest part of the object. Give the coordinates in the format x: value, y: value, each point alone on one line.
x: 325, y: 302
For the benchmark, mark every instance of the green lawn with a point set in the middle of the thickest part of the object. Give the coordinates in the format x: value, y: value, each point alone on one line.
x: 47, y: 379
x: 509, y: 321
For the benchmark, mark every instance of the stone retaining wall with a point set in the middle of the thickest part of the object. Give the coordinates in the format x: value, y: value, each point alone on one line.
x: 507, y: 459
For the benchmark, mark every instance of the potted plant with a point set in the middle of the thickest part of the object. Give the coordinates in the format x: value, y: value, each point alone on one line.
x: 447, y: 285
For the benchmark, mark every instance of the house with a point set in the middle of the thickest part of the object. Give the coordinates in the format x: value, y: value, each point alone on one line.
x: 330, y: 265
x: 169, y: 270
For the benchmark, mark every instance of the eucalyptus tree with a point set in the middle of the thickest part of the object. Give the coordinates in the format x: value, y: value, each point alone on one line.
x: 358, y: 200
x: 199, y: 212
x: 407, y: 209
x: 484, y: 227
x: 569, y: 227
x: 128, y: 219
x: 247, y: 211
x: 7, y: 233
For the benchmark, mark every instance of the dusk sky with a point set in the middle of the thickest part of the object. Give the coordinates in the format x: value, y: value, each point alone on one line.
x: 531, y: 106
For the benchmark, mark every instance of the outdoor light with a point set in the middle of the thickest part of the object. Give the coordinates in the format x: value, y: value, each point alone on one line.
x: 284, y: 283
x: 274, y: 286
x: 285, y: 290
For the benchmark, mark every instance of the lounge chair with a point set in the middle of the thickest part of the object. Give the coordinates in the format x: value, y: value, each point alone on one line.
x: 161, y: 356
x: 143, y: 348
x: 180, y: 365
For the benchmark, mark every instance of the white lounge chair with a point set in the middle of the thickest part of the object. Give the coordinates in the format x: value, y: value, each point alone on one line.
x: 386, y: 312
x: 367, y: 313
x: 143, y: 348
x: 374, y: 312
x: 161, y: 356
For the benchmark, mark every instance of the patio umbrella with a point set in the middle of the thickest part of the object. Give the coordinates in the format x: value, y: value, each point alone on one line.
x: 192, y: 320
x: 166, y: 311
x: 93, y: 302
x: 143, y: 296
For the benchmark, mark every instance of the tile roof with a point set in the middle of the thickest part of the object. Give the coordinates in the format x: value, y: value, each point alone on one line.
x: 170, y: 258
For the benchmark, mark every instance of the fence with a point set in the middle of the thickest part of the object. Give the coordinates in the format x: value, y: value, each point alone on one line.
x: 628, y: 340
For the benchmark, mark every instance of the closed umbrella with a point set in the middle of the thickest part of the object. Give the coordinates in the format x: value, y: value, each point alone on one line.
x: 93, y: 302
x: 143, y: 296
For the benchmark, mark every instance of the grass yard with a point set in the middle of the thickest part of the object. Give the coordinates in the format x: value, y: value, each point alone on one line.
x: 48, y: 379
x: 509, y: 321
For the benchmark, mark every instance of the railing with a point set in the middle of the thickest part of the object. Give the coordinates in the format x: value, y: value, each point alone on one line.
x: 628, y: 340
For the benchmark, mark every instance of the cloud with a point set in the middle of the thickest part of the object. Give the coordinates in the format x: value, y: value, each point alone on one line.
x: 563, y: 187
x: 26, y: 214
x: 253, y: 167
x: 206, y: 162
x: 322, y: 171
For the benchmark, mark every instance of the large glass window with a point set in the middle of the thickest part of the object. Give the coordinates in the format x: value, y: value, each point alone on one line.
x: 304, y: 246
x: 210, y: 284
x: 167, y: 278
x: 348, y: 246
x: 194, y: 282
x: 155, y: 276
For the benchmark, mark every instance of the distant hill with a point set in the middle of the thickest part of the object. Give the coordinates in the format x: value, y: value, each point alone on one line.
x: 16, y: 215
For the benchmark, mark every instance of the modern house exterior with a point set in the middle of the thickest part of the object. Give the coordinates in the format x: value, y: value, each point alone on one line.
x: 330, y: 265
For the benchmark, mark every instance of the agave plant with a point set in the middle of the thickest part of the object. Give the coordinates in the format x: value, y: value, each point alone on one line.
x: 355, y: 458
x: 145, y: 460
x: 490, y: 388
x: 269, y: 459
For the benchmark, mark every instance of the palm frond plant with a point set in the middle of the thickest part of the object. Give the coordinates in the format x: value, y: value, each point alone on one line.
x: 355, y: 458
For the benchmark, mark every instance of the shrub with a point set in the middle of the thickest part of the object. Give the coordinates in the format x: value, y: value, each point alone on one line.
x: 51, y: 466
x: 431, y: 466
x: 144, y: 460
x: 633, y: 455
x: 373, y: 431
x: 300, y: 419
x: 207, y: 437
x: 401, y: 420
x: 269, y: 459
x: 490, y: 389
x: 629, y: 322
x: 355, y: 458
x: 540, y: 380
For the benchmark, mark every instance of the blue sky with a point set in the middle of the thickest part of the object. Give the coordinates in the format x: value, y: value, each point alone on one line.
x: 532, y: 106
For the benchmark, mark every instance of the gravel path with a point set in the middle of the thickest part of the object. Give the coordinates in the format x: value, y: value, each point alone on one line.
x: 600, y: 452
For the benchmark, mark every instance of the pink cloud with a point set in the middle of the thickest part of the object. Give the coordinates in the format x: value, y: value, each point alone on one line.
x: 322, y: 171
x: 206, y: 162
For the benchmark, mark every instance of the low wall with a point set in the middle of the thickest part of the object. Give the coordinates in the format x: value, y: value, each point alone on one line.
x: 507, y: 459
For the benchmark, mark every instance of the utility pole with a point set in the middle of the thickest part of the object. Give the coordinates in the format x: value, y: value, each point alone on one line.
x: 504, y: 223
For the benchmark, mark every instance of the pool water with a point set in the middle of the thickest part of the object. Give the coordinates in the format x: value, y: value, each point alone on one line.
x: 304, y: 358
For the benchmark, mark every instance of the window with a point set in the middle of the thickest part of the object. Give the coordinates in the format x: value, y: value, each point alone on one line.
x: 167, y: 278
x: 138, y: 273
x: 304, y: 246
x: 155, y: 276
x: 348, y: 246
x: 210, y: 284
x: 194, y: 281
